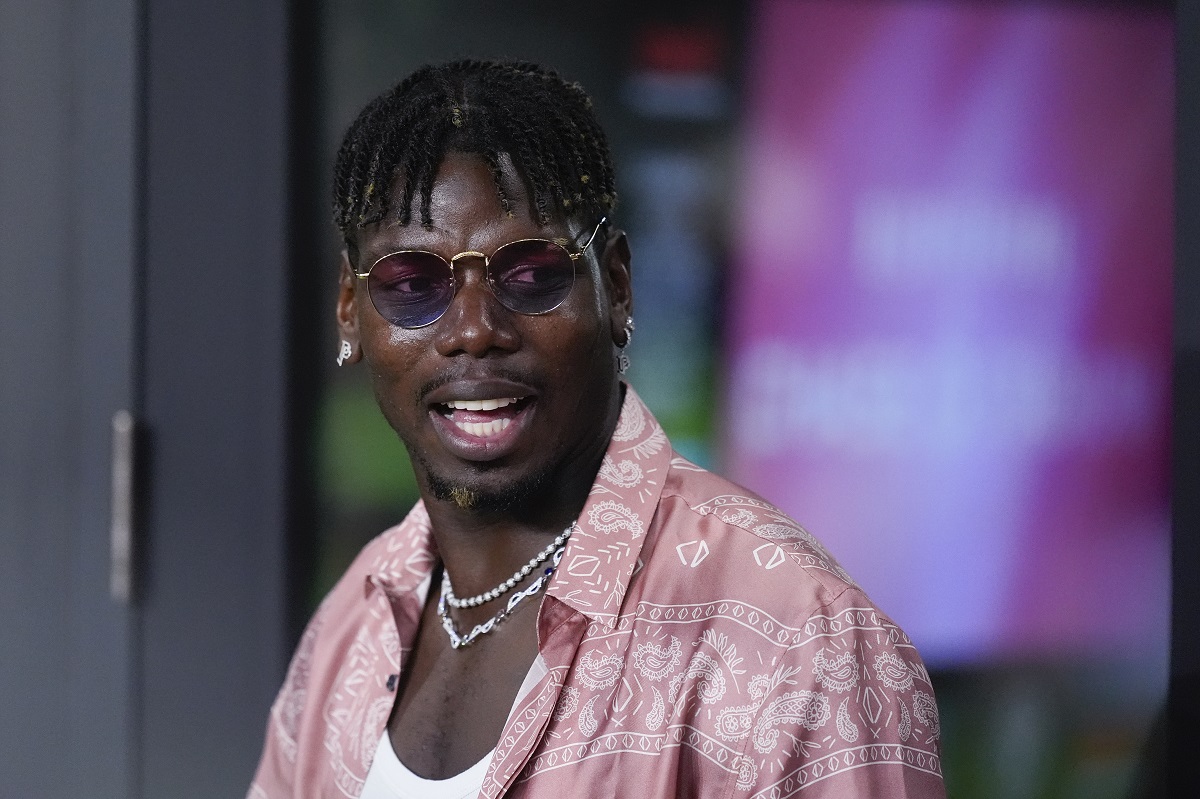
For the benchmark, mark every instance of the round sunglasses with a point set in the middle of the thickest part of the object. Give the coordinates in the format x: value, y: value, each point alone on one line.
x: 413, y: 288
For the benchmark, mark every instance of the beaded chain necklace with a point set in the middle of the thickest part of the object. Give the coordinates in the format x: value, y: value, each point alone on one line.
x: 511, y: 582
x: 552, y: 553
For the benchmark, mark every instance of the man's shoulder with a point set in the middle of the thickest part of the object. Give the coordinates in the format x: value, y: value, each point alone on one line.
x: 730, y: 561
x: 718, y: 517
x: 707, y: 494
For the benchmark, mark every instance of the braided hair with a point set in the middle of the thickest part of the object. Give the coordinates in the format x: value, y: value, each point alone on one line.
x: 543, y: 123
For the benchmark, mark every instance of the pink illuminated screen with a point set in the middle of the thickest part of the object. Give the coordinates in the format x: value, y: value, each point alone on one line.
x: 949, y: 342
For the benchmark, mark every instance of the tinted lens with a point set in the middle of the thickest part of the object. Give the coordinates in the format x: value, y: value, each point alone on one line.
x: 531, y: 277
x: 410, y: 289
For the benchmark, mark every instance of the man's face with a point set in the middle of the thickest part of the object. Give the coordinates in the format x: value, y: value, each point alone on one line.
x: 492, y: 405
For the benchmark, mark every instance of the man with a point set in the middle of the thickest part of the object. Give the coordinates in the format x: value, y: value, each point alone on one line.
x: 572, y: 609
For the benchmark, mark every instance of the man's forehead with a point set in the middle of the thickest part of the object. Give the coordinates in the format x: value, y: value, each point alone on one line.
x: 503, y: 190
x: 500, y: 186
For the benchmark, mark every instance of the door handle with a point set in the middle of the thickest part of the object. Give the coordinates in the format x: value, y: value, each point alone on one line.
x: 121, y: 529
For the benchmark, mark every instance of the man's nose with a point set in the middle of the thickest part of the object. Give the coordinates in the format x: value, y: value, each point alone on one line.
x: 475, y: 323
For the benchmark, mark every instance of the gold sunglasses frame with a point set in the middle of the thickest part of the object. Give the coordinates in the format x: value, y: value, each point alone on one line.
x: 574, y: 256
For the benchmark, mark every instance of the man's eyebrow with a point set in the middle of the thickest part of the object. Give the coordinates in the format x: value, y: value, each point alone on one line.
x: 390, y: 234
x: 392, y: 223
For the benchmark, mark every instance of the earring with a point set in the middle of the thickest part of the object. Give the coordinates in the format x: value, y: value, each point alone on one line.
x: 622, y: 358
x: 345, y: 352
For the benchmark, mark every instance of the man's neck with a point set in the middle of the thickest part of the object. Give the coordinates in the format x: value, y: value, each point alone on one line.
x: 483, y: 540
x: 482, y: 546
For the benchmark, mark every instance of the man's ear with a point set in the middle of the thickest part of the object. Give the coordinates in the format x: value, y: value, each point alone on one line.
x: 349, y: 348
x: 618, y: 280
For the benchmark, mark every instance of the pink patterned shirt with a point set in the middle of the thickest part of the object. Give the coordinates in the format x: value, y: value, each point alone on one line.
x: 698, y: 642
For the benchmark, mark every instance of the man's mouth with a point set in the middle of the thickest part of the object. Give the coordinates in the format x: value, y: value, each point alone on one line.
x: 483, y: 418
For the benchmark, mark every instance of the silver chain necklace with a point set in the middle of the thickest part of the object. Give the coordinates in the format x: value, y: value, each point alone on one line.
x: 512, y: 582
x: 459, y: 641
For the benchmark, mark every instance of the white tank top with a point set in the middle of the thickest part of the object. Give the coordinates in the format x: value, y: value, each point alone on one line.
x: 391, y: 779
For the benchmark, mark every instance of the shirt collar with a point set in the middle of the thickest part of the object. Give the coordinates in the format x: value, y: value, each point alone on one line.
x: 603, y: 553
x: 405, y: 555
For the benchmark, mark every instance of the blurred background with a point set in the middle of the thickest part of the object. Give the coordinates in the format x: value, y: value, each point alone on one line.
x: 902, y: 267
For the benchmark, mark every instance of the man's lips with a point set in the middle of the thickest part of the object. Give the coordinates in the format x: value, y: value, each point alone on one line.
x: 480, y: 419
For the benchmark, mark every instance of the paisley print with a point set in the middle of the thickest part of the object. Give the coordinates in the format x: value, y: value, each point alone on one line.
x: 905, y: 728
x: 893, y: 672
x: 650, y: 446
x: 631, y: 424
x: 845, y: 727
x: 734, y: 723
x: 610, y: 516
x: 598, y: 671
x: 710, y: 680
x: 747, y: 773
x: 729, y: 503
x: 658, y: 712
x: 587, y: 718
x: 654, y: 661
x: 625, y: 474
x: 568, y: 700
x: 925, y: 709
x: 836, y: 673
x: 740, y: 517
x: 788, y: 532
x: 807, y: 708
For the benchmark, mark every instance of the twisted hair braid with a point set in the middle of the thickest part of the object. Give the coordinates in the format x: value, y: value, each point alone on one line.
x: 543, y: 123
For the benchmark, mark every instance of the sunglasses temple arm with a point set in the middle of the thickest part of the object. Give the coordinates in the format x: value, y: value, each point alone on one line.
x: 592, y: 237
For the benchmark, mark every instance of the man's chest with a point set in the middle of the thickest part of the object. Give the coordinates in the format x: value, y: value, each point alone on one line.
x: 452, y: 704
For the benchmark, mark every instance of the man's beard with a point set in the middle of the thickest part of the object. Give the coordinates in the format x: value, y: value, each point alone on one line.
x: 510, y: 497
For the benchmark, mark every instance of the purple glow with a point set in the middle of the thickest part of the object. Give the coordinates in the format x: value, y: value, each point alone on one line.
x: 949, y: 341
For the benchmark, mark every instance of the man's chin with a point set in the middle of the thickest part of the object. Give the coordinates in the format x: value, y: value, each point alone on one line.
x: 488, y: 499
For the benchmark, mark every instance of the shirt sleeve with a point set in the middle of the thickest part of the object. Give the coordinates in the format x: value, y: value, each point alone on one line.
x: 849, y: 713
x: 276, y: 776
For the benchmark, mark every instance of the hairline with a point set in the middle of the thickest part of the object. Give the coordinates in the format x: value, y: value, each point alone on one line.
x: 516, y: 179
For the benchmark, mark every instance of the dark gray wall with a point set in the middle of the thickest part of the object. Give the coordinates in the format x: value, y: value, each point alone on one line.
x: 215, y: 404
x: 67, y: 242
x: 143, y: 265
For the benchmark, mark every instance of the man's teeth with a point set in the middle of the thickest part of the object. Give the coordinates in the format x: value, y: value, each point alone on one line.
x: 480, y: 405
x: 483, y: 429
